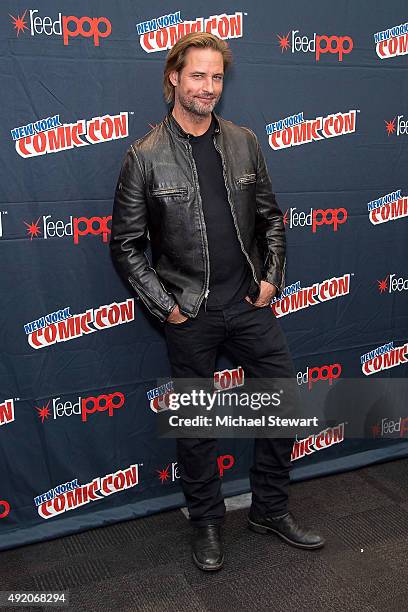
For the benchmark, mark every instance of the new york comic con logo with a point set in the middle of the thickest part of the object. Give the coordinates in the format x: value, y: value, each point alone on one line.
x: 383, y: 358
x: 161, y: 33
x: 392, y: 42
x: 318, y: 44
x: 71, y: 495
x: 49, y: 135
x: 159, y: 397
x: 7, y: 412
x: 294, y: 297
x: 65, y: 26
x: 296, y: 130
x: 389, y: 207
x: 317, y: 442
x: 61, y: 325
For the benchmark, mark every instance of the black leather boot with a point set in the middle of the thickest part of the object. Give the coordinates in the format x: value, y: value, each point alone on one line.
x: 285, y: 527
x: 208, y: 552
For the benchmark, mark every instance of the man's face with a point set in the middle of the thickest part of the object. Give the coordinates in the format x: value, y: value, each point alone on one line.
x: 198, y: 86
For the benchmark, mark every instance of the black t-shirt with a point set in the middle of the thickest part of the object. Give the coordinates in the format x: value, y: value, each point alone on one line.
x: 230, y: 273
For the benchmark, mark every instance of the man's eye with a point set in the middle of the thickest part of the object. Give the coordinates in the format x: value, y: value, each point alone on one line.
x: 218, y: 78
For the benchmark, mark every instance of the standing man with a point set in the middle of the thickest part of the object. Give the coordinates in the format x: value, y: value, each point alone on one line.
x: 199, y: 186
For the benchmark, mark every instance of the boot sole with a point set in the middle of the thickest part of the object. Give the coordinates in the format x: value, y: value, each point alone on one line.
x: 263, y: 529
x: 208, y: 568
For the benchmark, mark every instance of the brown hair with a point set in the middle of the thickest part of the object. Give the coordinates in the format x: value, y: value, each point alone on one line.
x: 175, y: 59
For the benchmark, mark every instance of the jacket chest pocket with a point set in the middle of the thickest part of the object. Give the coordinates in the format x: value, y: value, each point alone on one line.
x: 166, y: 195
x: 246, y: 181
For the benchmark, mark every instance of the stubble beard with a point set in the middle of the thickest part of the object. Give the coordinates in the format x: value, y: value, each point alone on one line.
x: 193, y: 106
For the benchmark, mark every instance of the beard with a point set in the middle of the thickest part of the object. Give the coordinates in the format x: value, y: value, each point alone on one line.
x: 196, y: 106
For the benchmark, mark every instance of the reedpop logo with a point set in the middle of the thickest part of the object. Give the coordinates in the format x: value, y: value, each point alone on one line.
x: 312, y: 375
x: 388, y: 427
x: 391, y: 284
x: 315, y: 218
x: 317, y: 44
x: 84, y: 406
x: 171, y: 472
x: 67, y: 27
x: 396, y: 126
x: 6, y: 507
x: 75, y: 227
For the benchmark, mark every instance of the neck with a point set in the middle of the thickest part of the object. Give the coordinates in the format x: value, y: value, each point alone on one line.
x: 191, y: 123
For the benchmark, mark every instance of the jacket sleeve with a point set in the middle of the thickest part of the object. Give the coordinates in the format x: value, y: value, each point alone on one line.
x: 129, y: 235
x: 269, y: 227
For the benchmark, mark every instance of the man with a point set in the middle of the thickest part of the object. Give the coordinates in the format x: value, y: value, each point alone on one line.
x: 198, y: 186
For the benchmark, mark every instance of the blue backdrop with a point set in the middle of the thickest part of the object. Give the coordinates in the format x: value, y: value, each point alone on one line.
x: 324, y: 88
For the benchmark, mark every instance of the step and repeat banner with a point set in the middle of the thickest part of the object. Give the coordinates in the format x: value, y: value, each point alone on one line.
x: 324, y: 87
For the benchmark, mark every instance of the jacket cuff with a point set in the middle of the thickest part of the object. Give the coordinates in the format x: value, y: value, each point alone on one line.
x: 162, y: 310
x: 276, y: 277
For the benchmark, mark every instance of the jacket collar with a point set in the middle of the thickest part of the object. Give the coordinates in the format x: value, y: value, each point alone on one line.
x: 178, y: 130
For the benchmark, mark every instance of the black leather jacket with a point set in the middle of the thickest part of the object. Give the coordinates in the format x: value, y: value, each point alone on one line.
x: 158, y: 197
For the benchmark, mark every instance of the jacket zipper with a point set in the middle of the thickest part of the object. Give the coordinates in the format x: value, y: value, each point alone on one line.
x: 203, y: 233
x: 157, y: 276
x: 172, y: 191
x: 233, y: 213
x: 247, y: 180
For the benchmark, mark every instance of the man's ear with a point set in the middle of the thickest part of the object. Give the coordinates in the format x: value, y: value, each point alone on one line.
x: 173, y: 77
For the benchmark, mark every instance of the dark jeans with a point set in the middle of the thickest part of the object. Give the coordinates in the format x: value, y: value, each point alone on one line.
x: 252, y: 336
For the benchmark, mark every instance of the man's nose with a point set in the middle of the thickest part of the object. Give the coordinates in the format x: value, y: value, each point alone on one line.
x: 209, y: 85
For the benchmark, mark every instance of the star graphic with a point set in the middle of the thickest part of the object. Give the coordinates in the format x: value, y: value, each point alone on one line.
x: 376, y: 430
x: 43, y: 411
x: 33, y: 229
x: 164, y: 474
x: 285, y: 218
x: 383, y: 284
x: 19, y: 24
x: 284, y: 42
x: 390, y: 126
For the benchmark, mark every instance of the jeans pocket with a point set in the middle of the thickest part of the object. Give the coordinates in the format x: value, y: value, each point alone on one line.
x: 253, y: 305
x: 182, y: 324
